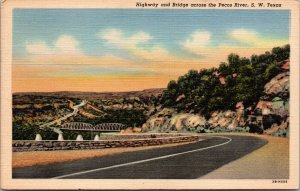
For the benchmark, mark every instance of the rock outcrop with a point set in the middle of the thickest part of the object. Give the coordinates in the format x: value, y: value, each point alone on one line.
x: 225, y: 119
x: 279, y: 85
x: 275, y: 106
x: 169, y: 120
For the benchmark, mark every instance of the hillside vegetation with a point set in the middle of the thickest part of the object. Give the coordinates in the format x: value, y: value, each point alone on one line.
x: 242, y: 94
x: 239, y: 79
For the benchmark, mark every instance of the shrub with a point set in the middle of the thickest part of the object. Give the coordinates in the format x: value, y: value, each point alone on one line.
x: 281, y: 133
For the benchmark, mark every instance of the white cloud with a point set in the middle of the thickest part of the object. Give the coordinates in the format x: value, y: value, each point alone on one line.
x: 197, y: 41
x: 116, y: 37
x: 244, y: 35
x: 64, y: 45
x: 154, y: 54
x: 251, y: 38
x: 129, y: 43
x: 67, y: 45
x: 38, y: 47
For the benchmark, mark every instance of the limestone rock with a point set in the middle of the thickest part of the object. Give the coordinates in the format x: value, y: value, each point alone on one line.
x: 279, y: 84
x: 177, y: 122
x: 223, y: 119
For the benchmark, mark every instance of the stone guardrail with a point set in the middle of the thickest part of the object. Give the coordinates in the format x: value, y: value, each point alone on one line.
x: 51, y: 145
x: 139, y: 136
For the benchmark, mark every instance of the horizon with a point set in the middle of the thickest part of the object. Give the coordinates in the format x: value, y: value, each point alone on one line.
x: 92, y: 91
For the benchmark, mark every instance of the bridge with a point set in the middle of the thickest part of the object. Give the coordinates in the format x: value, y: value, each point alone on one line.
x: 78, y: 126
x: 109, y: 127
x: 103, y: 127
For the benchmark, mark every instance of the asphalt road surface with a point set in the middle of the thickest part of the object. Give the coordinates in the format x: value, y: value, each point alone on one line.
x: 181, y: 162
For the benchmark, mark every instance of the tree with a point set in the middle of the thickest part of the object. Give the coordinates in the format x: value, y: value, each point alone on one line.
x: 281, y: 53
x: 245, y: 79
x: 272, y: 70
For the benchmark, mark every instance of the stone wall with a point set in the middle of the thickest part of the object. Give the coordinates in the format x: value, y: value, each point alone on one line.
x: 21, y: 146
x: 138, y: 136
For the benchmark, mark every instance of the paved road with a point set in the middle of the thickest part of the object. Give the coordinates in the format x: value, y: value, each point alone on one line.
x: 181, y: 162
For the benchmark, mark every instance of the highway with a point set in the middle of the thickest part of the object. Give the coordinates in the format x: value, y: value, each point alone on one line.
x: 187, y: 161
x: 58, y: 121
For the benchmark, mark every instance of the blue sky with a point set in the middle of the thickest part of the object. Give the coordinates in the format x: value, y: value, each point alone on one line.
x: 168, y: 27
x: 133, y: 49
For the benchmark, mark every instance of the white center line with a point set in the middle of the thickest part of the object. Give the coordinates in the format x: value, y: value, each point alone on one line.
x: 145, y: 160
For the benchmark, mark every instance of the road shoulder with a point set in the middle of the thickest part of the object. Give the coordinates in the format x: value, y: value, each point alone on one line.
x: 268, y: 162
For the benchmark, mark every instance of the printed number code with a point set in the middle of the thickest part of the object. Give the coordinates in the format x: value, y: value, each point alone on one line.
x: 279, y: 181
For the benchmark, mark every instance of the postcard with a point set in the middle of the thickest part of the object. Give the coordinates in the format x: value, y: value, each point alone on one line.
x: 156, y: 94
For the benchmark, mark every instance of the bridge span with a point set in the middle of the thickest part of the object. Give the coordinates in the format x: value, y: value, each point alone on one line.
x: 102, y: 127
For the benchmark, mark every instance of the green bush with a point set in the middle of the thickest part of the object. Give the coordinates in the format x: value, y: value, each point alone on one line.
x: 241, y: 129
x: 282, y: 133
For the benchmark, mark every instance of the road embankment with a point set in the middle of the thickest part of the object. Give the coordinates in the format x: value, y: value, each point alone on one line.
x: 48, y: 152
x: 50, y: 145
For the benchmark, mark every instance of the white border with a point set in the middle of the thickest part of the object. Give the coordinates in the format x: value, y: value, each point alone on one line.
x: 6, y: 107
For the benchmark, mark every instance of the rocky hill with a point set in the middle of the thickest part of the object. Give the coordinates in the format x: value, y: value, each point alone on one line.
x: 94, y: 95
x: 244, y: 95
x: 270, y: 115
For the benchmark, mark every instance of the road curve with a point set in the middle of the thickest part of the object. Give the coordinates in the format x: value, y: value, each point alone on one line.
x: 181, y: 162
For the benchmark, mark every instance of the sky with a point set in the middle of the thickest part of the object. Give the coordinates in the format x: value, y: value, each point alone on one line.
x: 104, y: 50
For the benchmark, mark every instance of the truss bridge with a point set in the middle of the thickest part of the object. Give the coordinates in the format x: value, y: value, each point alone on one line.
x: 103, y: 127
x: 109, y: 127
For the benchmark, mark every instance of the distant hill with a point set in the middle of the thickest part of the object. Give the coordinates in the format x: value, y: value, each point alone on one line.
x: 32, y: 109
x: 92, y: 95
